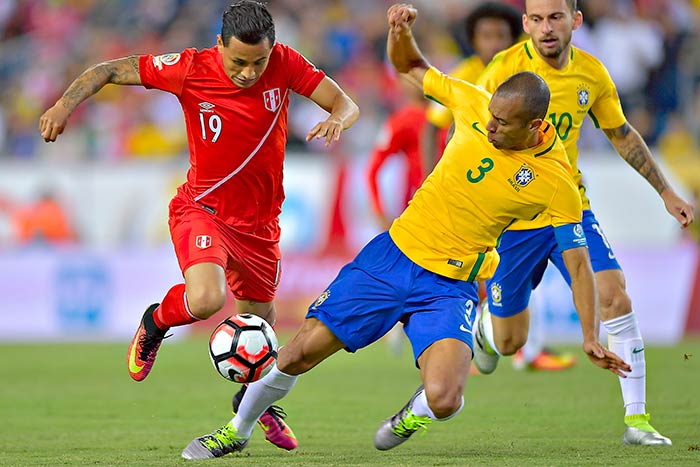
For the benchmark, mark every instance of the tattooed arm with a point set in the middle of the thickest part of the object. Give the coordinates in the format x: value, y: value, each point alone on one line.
x: 632, y: 148
x: 123, y: 71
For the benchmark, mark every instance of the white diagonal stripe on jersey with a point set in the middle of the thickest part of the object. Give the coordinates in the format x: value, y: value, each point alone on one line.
x: 250, y: 156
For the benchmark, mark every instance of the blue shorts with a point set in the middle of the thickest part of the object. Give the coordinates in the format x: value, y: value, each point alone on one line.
x: 524, y: 255
x: 382, y: 287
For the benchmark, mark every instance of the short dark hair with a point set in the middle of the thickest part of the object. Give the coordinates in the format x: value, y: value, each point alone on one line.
x: 248, y: 21
x: 494, y: 10
x: 572, y: 4
x: 532, y: 89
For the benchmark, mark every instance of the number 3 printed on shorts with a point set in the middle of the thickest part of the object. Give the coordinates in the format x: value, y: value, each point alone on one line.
x: 213, y: 124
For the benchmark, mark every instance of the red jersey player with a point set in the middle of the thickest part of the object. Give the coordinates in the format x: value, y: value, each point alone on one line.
x: 401, y: 135
x: 224, y: 218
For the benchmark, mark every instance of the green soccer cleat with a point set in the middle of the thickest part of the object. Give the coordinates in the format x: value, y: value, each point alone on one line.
x: 219, y: 443
x: 640, y: 432
x: 397, y: 429
x: 485, y: 358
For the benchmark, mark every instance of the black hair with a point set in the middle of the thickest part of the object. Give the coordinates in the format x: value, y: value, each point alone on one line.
x: 532, y: 89
x: 494, y: 10
x: 248, y: 21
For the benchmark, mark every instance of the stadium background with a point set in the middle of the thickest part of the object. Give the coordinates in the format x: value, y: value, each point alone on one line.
x: 84, y: 245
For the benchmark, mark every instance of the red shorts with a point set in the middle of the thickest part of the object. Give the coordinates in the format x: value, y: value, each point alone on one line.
x: 251, y: 259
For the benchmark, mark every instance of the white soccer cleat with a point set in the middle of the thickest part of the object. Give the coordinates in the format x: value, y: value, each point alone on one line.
x: 640, y: 432
x: 485, y: 359
x: 397, y: 429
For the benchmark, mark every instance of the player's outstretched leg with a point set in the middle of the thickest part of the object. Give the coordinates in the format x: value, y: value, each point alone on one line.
x: 272, y: 423
x: 639, y: 431
x: 144, y: 346
x: 397, y: 429
x: 485, y: 358
x: 219, y: 443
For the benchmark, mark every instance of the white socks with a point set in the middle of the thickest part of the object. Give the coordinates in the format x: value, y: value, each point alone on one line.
x: 625, y: 340
x: 420, y: 407
x: 258, y: 397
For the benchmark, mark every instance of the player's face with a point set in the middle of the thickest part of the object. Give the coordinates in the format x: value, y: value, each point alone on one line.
x: 506, y: 130
x: 244, y: 63
x: 550, y: 24
x: 491, y: 35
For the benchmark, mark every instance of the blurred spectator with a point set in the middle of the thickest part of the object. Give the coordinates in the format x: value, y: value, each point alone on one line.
x: 43, y: 221
x: 44, y: 42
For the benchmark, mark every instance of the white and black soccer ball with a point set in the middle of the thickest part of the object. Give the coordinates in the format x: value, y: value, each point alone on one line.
x: 243, y: 348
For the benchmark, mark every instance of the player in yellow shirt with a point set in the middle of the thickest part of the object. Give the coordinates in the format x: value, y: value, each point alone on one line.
x: 503, y: 163
x: 579, y: 85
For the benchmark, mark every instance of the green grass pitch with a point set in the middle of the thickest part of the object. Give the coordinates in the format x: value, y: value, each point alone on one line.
x: 75, y: 405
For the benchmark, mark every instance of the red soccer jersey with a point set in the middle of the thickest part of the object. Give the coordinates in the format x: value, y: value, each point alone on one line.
x: 403, y: 135
x: 236, y: 135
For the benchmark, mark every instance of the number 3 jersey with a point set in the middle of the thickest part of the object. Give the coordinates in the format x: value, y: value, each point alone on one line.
x: 583, y: 87
x: 236, y: 135
x: 454, y: 221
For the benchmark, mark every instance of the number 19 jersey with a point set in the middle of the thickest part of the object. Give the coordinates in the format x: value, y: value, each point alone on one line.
x: 236, y: 136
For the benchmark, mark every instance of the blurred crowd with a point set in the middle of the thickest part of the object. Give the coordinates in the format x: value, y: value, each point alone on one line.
x: 649, y: 46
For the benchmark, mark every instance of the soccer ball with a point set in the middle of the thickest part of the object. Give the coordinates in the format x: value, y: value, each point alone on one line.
x: 243, y: 348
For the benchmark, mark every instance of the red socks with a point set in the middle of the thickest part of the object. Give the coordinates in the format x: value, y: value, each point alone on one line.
x: 173, y: 310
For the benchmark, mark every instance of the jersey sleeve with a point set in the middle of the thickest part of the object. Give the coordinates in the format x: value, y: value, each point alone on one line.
x: 166, y: 72
x: 304, y: 76
x: 451, y: 92
x: 606, y: 112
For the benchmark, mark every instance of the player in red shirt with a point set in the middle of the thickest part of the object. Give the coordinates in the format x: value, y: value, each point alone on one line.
x: 224, y: 218
x: 401, y: 136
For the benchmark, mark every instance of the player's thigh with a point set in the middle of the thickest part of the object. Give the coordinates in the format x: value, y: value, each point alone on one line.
x: 444, y: 368
x: 524, y: 255
x: 366, y: 299
x: 511, y: 332
x: 206, y: 288
x: 266, y: 310
x: 311, y: 344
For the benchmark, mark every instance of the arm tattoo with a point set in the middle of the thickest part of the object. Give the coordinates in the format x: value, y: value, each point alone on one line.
x: 120, y: 71
x: 632, y: 148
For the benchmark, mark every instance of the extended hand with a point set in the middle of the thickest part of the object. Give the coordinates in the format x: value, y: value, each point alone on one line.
x: 52, y: 123
x: 678, y: 207
x: 605, y: 359
x: 330, y: 129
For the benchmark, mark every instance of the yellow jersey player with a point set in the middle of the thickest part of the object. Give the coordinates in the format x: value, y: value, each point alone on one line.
x: 489, y: 28
x: 503, y: 163
x: 580, y: 86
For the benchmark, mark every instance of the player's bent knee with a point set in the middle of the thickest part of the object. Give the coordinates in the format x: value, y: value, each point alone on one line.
x: 508, y: 345
x: 204, y: 302
x: 614, y: 303
x: 444, y: 401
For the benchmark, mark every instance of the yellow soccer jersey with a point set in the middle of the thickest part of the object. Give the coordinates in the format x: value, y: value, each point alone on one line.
x: 468, y: 70
x: 454, y: 221
x: 582, y: 87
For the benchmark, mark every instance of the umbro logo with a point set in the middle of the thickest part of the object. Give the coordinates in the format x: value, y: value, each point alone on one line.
x: 206, y: 106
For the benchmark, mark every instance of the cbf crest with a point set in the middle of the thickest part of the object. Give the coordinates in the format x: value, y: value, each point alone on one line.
x: 273, y: 99
x: 583, y: 95
x: 322, y: 298
x: 524, y: 176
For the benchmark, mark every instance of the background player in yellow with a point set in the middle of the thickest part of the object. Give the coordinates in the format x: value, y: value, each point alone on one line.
x: 580, y: 85
x: 489, y: 28
x: 503, y: 163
